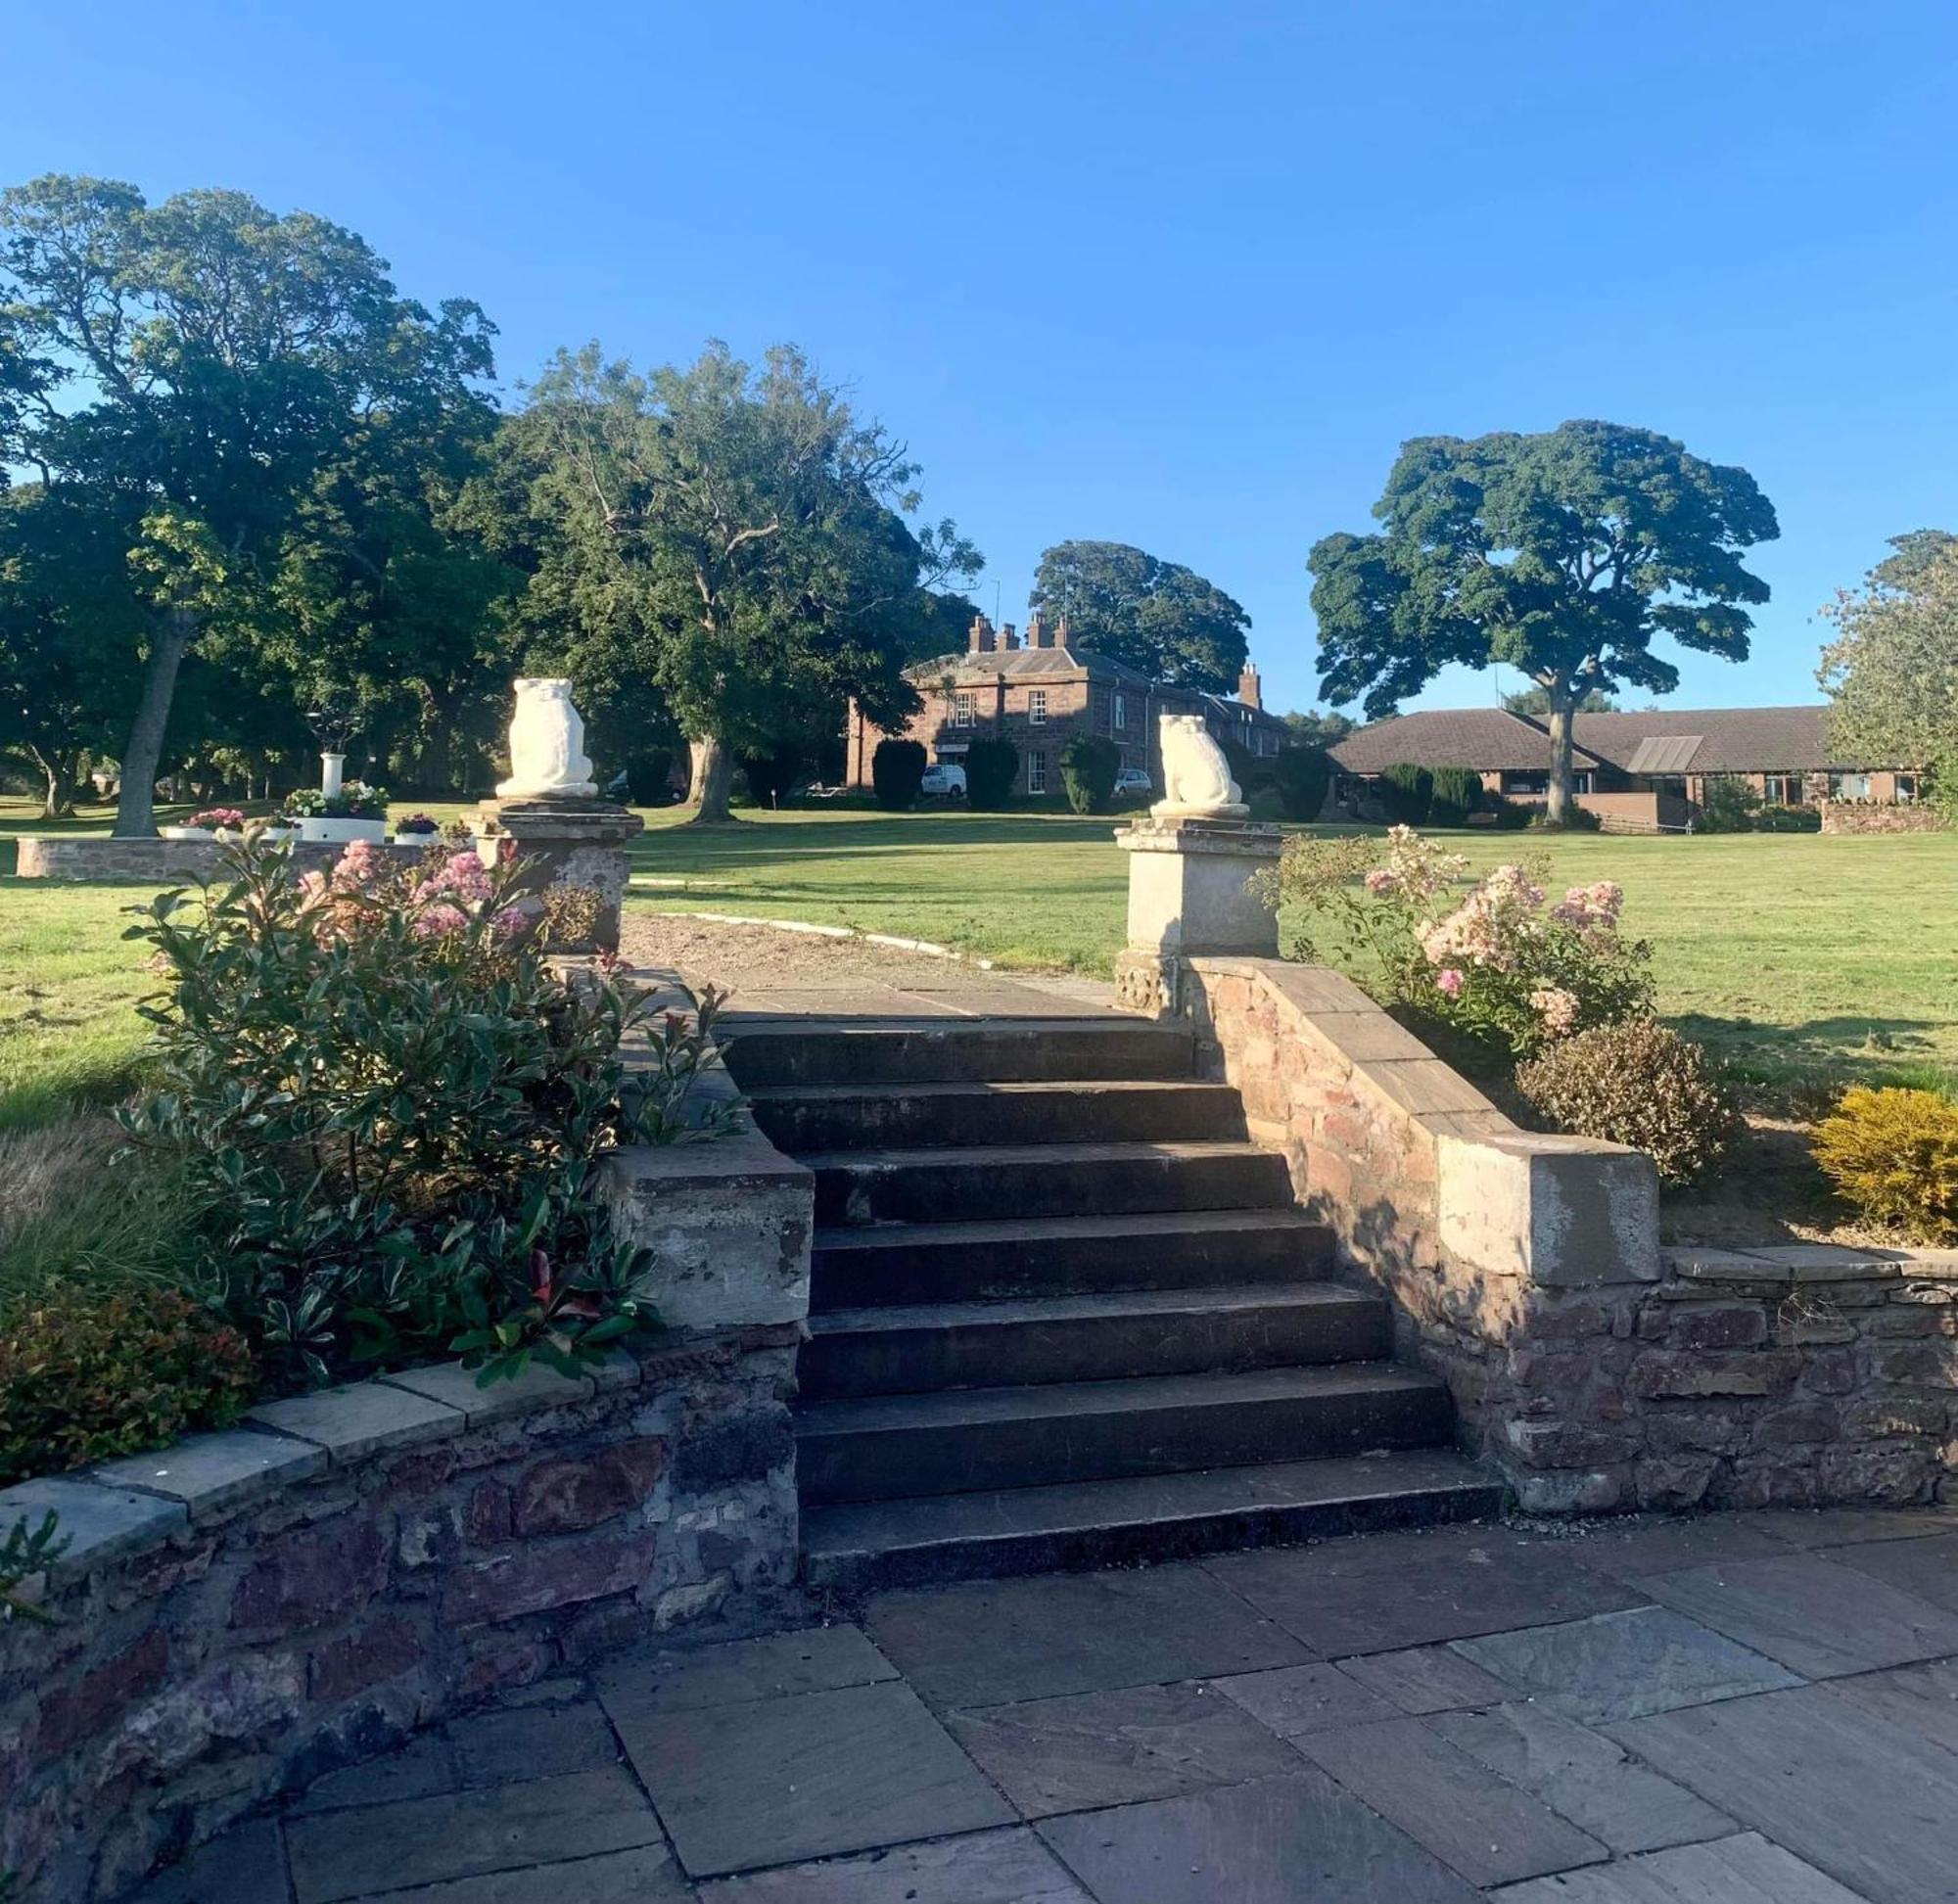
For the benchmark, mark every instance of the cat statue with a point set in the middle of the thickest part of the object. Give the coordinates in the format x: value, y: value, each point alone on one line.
x: 547, y: 760
x: 1196, y: 777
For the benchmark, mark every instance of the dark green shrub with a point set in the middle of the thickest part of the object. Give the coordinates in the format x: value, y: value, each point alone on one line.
x: 1576, y: 819
x: 1893, y: 1154
x: 1456, y: 794
x: 1302, y: 775
x: 1637, y: 1082
x: 389, y: 1109
x: 897, y: 772
x: 991, y: 768
x: 1789, y: 820
x: 90, y: 1373
x: 1510, y: 816
x: 1089, y: 764
x: 648, y: 776
x: 1251, y: 771
x: 772, y: 777
x: 1727, y: 805
x: 1407, y: 792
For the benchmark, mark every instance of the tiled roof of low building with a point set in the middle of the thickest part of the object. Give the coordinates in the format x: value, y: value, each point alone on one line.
x: 1488, y: 739
x: 1022, y: 663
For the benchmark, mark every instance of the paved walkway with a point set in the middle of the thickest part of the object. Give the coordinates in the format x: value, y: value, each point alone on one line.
x: 1736, y: 1709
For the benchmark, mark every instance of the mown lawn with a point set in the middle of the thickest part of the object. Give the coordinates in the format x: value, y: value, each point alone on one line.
x: 1793, y: 954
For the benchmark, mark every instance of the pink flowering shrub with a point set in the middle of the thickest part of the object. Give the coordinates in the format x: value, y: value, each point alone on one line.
x: 215, y: 817
x: 1493, y: 962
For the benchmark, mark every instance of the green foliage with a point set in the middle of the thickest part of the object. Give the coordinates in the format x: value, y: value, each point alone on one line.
x: 1787, y: 819
x: 1407, y: 792
x: 1089, y: 764
x: 1302, y: 776
x: 1510, y: 816
x: 1457, y: 793
x: 648, y: 775
x: 1533, y: 702
x: 1893, y: 1156
x: 1637, y: 1082
x: 897, y: 772
x: 1158, y: 617
x: 389, y: 1110
x: 774, y: 774
x: 991, y: 768
x: 1728, y: 804
x: 1891, y: 672
x: 1316, y: 729
x: 27, y: 1549
x: 1574, y: 820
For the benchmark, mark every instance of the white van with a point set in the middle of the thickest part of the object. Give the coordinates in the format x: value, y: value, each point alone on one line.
x: 943, y: 780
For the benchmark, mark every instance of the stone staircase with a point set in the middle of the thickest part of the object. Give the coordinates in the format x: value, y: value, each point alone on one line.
x: 1064, y: 1314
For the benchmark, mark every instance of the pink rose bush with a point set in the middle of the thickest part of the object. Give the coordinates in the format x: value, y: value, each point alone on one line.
x: 1490, y: 961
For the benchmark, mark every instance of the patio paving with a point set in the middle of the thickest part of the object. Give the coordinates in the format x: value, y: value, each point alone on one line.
x: 1727, y: 1711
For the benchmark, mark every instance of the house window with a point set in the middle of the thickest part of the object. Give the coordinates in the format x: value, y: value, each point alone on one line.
x: 1849, y: 786
x: 1121, y: 713
x: 1782, y: 789
x: 1037, y: 706
x: 1527, y: 784
x: 1036, y: 772
x: 1580, y: 783
x: 1906, y: 788
x: 963, y: 712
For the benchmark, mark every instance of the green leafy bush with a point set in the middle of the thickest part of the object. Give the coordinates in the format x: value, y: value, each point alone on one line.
x: 772, y: 777
x: 389, y: 1110
x: 648, y: 775
x: 1457, y: 792
x: 1302, y: 776
x: 1089, y: 764
x: 897, y: 772
x: 1727, y: 805
x: 1637, y: 1082
x: 1576, y: 819
x: 1253, y: 773
x: 1893, y: 1156
x: 89, y: 1373
x: 1406, y: 792
x: 991, y: 768
x: 1510, y: 816
x: 1789, y: 820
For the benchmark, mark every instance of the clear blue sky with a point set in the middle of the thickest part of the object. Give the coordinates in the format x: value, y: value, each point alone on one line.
x: 1177, y: 275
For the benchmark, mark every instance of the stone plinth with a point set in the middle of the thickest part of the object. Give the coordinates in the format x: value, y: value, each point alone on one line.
x: 1191, y: 892
x: 563, y: 846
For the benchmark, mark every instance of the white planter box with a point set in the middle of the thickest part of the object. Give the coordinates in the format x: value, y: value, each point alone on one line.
x: 417, y: 839
x: 185, y: 833
x: 342, y: 832
x: 278, y: 835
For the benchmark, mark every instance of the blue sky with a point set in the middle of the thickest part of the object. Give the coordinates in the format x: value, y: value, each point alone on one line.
x: 1175, y: 275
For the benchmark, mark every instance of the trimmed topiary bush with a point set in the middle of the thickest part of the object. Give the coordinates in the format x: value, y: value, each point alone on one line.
x: 1893, y: 1154
x: 1302, y: 776
x: 991, y: 768
x: 1089, y: 764
x: 1457, y: 792
x: 1637, y: 1082
x: 1407, y: 792
x: 897, y: 772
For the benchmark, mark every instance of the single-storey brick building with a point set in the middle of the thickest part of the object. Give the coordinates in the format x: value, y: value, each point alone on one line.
x: 1639, y: 772
x: 1038, y: 694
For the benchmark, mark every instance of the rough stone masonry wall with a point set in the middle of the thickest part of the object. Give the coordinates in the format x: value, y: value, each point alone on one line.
x: 85, y: 855
x: 1599, y: 1372
x: 1866, y: 816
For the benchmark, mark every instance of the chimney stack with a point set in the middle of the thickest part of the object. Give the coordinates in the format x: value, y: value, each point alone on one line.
x: 980, y: 640
x: 1007, y: 638
x: 1038, y: 634
x: 1063, y: 631
x: 1248, y: 689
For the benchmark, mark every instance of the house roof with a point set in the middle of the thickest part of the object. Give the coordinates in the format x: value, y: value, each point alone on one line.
x: 967, y: 669
x: 1663, y: 741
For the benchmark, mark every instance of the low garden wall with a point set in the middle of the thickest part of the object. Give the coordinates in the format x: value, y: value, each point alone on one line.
x: 1868, y: 816
x: 92, y: 857
x: 249, y: 1608
x: 1597, y: 1371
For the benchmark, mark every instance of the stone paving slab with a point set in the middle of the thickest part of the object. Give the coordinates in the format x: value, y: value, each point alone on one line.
x: 1624, y: 1665
x: 1855, y: 1795
x: 1922, y: 1699
x: 1926, y: 1569
x: 1006, y: 1867
x: 812, y: 1659
x: 538, y: 1741
x: 1741, y: 1870
x: 1297, y: 1700
x: 246, y: 1866
x: 646, y: 1874
x: 1426, y: 1679
x: 420, y: 1768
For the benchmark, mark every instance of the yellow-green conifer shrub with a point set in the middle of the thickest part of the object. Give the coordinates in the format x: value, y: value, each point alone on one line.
x: 1893, y: 1154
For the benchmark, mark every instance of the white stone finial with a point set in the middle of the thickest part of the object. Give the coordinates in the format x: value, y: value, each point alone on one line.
x: 547, y: 760
x: 1196, y: 777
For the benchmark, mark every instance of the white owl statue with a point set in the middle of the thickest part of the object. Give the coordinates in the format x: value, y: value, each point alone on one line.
x: 547, y: 760
x: 1196, y: 777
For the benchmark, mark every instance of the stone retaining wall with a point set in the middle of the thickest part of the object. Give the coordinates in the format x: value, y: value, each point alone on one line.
x: 89, y: 856
x: 249, y: 1608
x: 1866, y: 816
x: 1596, y: 1371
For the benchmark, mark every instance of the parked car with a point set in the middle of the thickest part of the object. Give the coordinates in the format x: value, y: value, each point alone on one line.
x: 942, y: 782
x: 1132, y: 781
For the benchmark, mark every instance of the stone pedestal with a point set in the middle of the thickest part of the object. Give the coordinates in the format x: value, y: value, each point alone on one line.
x: 1189, y: 894
x: 568, y: 849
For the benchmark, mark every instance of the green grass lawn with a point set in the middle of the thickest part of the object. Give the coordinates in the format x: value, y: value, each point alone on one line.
x: 1790, y: 952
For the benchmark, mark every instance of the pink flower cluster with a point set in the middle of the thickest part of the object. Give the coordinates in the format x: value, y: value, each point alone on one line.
x: 228, y: 817
x: 1591, y: 909
x: 1557, y: 1008
x: 445, y: 899
x: 1482, y: 929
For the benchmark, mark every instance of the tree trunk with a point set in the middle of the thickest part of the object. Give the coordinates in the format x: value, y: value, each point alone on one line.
x: 63, y: 772
x: 1563, y: 705
x: 136, y: 804
x: 713, y: 780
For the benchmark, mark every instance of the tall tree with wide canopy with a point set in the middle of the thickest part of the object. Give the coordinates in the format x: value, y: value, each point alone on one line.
x: 1561, y: 554
x: 1158, y: 617
x: 201, y: 361
x: 1891, y: 672
x: 764, y: 523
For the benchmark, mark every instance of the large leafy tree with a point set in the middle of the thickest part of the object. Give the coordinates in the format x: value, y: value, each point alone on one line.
x: 1561, y: 554
x: 1131, y: 606
x: 1891, y: 672
x: 765, y: 523
x: 201, y: 362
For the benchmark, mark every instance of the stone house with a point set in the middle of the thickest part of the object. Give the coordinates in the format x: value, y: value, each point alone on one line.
x: 1042, y: 691
x: 1638, y: 773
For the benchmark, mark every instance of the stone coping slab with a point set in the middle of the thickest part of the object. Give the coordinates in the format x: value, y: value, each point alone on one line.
x: 1807, y: 1263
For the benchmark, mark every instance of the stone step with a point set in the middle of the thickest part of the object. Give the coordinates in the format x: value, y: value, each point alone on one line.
x: 774, y: 1051
x: 890, y: 1446
x: 893, y: 1351
x: 1052, y: 1256
x: 856, y: 1117
x: 859, y: 1547
x: 1042, y: 1179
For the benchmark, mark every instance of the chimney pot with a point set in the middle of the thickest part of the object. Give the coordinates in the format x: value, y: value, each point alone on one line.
x: 980, y: 640
x: 1036, y: 631
x: 1249, y: 690
x: 1007, y: 638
